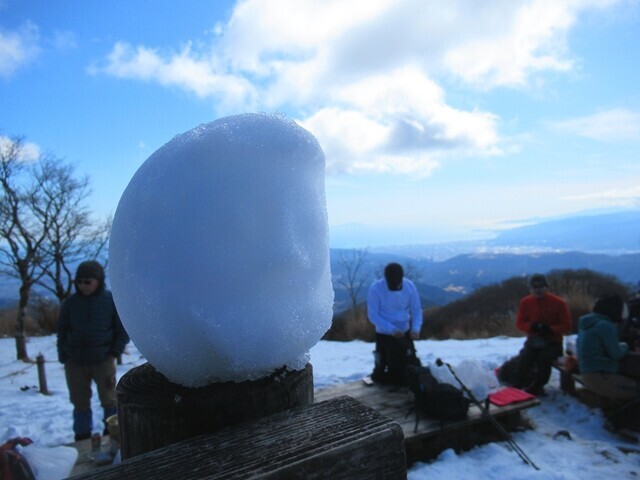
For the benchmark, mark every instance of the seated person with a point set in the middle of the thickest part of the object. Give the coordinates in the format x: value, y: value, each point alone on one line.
x: 545, y: 318
x: 600, y: 353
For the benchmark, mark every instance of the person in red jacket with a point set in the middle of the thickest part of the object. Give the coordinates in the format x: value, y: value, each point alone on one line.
x: 545, y: 318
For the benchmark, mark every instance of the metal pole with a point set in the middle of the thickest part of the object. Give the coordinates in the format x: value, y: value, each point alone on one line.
x: 489, y: 417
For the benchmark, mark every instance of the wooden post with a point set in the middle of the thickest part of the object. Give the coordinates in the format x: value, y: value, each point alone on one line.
x: 42, y: 376
x: 154, y: 412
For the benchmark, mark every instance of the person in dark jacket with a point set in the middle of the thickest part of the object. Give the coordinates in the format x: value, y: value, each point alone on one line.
x: 90, y: 337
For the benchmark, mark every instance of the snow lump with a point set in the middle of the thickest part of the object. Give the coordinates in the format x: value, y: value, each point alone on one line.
x: 219, y: 256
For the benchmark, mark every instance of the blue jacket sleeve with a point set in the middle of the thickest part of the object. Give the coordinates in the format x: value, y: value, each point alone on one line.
x: 614, y: 348
x: 63, y: 327
x: 120, y: 336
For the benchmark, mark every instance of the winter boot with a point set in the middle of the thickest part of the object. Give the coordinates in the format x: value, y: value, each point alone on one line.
x: 82, y: 424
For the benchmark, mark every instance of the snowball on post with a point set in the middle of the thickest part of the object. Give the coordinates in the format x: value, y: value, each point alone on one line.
x: 219, y: 256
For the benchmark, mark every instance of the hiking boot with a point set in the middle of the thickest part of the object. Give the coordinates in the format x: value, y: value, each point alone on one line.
x: 82, y: 436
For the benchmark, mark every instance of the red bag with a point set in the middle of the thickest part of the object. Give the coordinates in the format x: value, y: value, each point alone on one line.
x: 509, y: 395
x: 13, y: 466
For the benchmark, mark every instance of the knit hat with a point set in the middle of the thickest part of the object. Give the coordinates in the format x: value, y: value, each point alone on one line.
x: 538, y: 279
x: 90, y: 269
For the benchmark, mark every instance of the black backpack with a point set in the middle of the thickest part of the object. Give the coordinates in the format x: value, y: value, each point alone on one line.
x: 507, y: 372
x: 437, y: 400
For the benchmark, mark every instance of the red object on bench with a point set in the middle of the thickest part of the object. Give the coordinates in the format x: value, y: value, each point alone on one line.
x: 508, y: 395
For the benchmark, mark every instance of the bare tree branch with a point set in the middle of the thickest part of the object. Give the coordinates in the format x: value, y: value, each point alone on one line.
x: 354, y: 278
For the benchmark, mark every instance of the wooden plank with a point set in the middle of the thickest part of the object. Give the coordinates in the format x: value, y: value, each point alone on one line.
x: 432, y: 435
x: 338, y: 438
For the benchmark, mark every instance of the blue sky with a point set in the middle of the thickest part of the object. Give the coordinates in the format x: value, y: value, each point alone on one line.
x: 439, y: 120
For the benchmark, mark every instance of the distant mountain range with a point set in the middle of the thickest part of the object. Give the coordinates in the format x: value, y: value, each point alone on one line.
x: 606, y: 243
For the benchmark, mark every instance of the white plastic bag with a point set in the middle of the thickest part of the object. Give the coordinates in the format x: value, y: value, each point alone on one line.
x: 471, y: 373
x: 50, y: 463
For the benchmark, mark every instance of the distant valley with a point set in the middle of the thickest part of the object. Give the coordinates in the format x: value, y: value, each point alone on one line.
x: 606, y: 243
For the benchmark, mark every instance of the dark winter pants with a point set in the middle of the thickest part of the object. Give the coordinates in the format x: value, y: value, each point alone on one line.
x: 79, y: 380
x: 391, y: 358
x: 538, y: 357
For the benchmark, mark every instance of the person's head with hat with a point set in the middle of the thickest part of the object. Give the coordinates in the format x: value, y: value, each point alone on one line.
x: 611, y: 306
x: 538, y: 285
x: 89, y: 278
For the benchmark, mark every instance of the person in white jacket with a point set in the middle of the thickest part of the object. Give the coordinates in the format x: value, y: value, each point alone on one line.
x: 393, y: 306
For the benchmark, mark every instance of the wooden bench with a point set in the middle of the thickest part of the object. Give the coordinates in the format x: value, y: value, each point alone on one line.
x: 339, y: 439
x: 432, y: 436
x: 573, y: 384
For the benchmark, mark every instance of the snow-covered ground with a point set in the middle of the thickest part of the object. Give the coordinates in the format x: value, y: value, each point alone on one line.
x: 586, y: 452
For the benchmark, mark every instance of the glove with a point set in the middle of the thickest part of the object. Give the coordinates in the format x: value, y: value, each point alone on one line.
x: 544, y: 329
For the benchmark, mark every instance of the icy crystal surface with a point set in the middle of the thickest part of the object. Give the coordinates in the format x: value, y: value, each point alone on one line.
x: 219, y: 256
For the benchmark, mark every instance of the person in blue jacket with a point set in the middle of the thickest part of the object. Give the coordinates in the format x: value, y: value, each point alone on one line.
x: 394, y: 308
x: 90, y: 338
x: 600, y: 351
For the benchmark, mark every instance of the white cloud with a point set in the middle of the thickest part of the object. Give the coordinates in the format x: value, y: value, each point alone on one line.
x: 618, y: 124
x: 398, y: 122
x: 623, y: 197
x: 18, y: 48
x: 525, y: 38
x: 184, y: 69
x: 28, y: 152
x: 376, y: 63
x: 64, y: 40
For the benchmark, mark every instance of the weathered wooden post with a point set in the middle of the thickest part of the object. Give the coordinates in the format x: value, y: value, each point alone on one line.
x: 154, y: 412
x: 42, y: 375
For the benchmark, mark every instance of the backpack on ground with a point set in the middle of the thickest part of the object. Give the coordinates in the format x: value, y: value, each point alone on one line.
x: 13, y: 466
x: 508, y: 372
x: 437, y: 400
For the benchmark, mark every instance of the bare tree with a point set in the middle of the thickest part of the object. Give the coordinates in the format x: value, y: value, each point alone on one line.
x: 354, y: 278
x: 45, y: 226
x: 71, y: 236
x: 21, y: 232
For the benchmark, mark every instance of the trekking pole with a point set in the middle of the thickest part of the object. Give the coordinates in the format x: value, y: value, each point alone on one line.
x: 485, y: 413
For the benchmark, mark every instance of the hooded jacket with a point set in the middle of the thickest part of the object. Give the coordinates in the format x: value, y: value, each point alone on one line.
x: 89, y: 328
x: 598, y: 346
